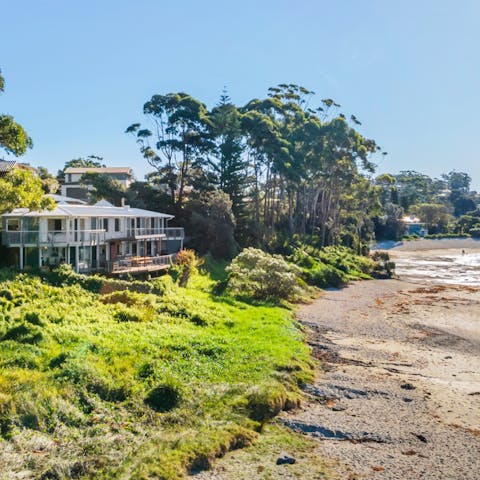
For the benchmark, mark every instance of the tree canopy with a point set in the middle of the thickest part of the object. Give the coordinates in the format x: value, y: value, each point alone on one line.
x: 13, y: 138
x: 22, y: 189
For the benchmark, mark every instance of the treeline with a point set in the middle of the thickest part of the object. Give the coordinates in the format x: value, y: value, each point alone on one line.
x: 446, y: 205
x: 287, y: 166
x: 258, y: 174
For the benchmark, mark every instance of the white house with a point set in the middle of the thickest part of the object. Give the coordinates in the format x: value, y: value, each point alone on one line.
x: 97, y: 237
x: 73, y: 188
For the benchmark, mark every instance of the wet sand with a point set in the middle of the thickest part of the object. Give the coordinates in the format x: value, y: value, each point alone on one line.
x: 400, y: 394
x: 397, y: 395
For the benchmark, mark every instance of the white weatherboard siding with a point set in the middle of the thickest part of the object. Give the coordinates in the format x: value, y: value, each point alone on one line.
x: 92, y: 237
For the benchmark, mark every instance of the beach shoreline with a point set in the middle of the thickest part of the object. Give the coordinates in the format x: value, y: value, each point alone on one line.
x: 399, y: 395
x: 429, y: 244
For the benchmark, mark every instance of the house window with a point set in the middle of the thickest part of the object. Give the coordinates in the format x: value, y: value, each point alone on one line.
x: 13, y: 224
x: 57, y: 225
x: 105, y: 224
x: 117, y: 224
x: 138, y: 223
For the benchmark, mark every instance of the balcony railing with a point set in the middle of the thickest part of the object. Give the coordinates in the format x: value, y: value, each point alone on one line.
x: 35, y: 237
x: 156, y: 232
x: 138, y: 264
x: 52, y: 237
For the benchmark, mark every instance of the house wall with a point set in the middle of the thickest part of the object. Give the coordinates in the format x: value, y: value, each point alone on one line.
x: 84, y: 242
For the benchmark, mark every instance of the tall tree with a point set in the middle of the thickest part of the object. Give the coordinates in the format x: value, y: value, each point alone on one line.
x: 179, y: 141
x: 50, y: 183
x: 227, y: 161
x: 13, y: 138
x: 103, y: 187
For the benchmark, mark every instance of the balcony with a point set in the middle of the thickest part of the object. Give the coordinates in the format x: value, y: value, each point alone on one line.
x: 140, y: 264
x: 144, y: 233
x: 53, y: 237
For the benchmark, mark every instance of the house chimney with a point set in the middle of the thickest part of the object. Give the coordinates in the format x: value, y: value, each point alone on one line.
x: 122, y: 202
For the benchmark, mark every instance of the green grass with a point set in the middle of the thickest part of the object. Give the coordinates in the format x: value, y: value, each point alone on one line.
x: 136, y: 385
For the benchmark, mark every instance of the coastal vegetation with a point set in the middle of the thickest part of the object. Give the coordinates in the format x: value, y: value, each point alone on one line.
x: 107, y: 381
x: 152, y: 378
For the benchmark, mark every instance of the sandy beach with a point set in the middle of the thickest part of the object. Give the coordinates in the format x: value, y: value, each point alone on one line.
x: 400, y: 396
x: 397, y: 395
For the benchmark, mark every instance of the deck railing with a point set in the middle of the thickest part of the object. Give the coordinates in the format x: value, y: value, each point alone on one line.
x: 140, y: 263
x: 156, y: 232
x: 52, y: 237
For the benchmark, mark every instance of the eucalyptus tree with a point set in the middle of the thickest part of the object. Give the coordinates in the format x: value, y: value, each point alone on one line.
x: 177, y: 143
x: 413, y: 188
x: 318, y: 158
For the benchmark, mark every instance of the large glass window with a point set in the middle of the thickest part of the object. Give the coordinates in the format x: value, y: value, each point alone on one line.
x: 117, y: 224
x: 13, y: 224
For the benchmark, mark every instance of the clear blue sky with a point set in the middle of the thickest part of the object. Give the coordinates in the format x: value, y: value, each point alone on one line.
x: 78, y: 72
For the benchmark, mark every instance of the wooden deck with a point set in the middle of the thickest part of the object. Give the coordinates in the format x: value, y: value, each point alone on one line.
x: 141, y: 264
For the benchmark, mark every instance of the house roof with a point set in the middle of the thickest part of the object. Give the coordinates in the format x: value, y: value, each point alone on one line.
x: 126, y: 170
x: 64, y: 199
x: 410, y: 219
x: 6, y: 165
x: 98, y: 210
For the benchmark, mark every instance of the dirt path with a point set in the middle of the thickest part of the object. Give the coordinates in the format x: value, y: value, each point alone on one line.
x: 399, y: 397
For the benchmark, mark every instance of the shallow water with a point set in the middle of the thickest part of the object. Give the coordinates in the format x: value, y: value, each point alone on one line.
x: 438, y: 266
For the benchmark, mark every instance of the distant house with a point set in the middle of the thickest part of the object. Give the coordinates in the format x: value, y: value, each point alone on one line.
x: 8, y: 165
x: 97, y: 237
x: 73, y: 188
x: 414, y: 226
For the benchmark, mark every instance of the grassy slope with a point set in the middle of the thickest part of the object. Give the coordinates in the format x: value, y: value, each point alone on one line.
x: 76, y: 367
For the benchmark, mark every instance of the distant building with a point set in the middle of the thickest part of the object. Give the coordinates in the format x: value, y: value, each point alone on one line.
x: 414, y: 226
x: 8, y: 165
x: 97, y: 237
x: 73, y: 188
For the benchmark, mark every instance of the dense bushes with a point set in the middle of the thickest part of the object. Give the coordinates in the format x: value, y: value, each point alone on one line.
x: 331, y: 266
x: 163, y: 397
x: 258, y: 275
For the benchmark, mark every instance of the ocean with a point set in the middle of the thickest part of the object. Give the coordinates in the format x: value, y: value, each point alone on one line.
x: 438, y: 266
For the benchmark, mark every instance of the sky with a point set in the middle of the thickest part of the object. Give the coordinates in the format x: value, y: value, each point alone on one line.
x: 78, y: 73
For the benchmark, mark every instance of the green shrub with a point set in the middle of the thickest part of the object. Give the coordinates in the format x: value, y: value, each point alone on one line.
x: 6, y: 293
x: 266, y: 402
x: 385, y: 267
x: 24, y: 332
x: 7, y: 409
x: 186, y: 265
x: 164, y: 397
x: 330, y: 266
x: 261, y: 276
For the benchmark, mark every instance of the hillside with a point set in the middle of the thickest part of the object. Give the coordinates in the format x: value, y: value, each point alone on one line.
x: 98, y: 381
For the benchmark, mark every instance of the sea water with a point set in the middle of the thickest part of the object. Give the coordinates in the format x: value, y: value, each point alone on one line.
x: 438, y: 266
